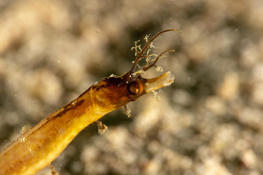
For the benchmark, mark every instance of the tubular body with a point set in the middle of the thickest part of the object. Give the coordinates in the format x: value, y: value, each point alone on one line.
x: 43, y: 143
x: 39, y: 146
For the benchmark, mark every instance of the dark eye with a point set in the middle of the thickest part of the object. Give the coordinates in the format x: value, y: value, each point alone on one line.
x: 134, y: 88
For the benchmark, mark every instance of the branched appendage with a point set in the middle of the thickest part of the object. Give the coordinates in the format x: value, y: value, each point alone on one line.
x: 156, y: 95
x: 102, y: 128
x: 149, y: 56
x: 140, y: 53
x: 137, y: 48
x: 127, y: 111
x: 145, y: 68
x: 53, y: 170
x: 146, y: 38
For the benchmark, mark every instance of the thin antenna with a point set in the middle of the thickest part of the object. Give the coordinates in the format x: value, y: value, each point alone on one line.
x: 140, y: 55
x: 145, y: 68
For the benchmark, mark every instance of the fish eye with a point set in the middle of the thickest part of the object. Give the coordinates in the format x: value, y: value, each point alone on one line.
x: 134, y: 88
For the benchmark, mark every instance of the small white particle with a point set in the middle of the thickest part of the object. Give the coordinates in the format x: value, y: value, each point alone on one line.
x: 22, y: 139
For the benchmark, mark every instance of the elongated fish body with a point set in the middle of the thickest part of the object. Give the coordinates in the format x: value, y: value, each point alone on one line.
x: 40, y: 145
x: 50, y: 137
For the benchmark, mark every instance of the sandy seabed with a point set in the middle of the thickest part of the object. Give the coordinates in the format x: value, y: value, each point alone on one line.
x: 209, y: 122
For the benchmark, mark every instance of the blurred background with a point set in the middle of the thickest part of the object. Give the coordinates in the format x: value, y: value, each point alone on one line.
x: 209, y: 122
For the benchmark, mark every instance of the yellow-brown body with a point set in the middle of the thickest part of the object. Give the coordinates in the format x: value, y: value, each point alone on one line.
x: 39, y: 146
x: 43, y: 143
